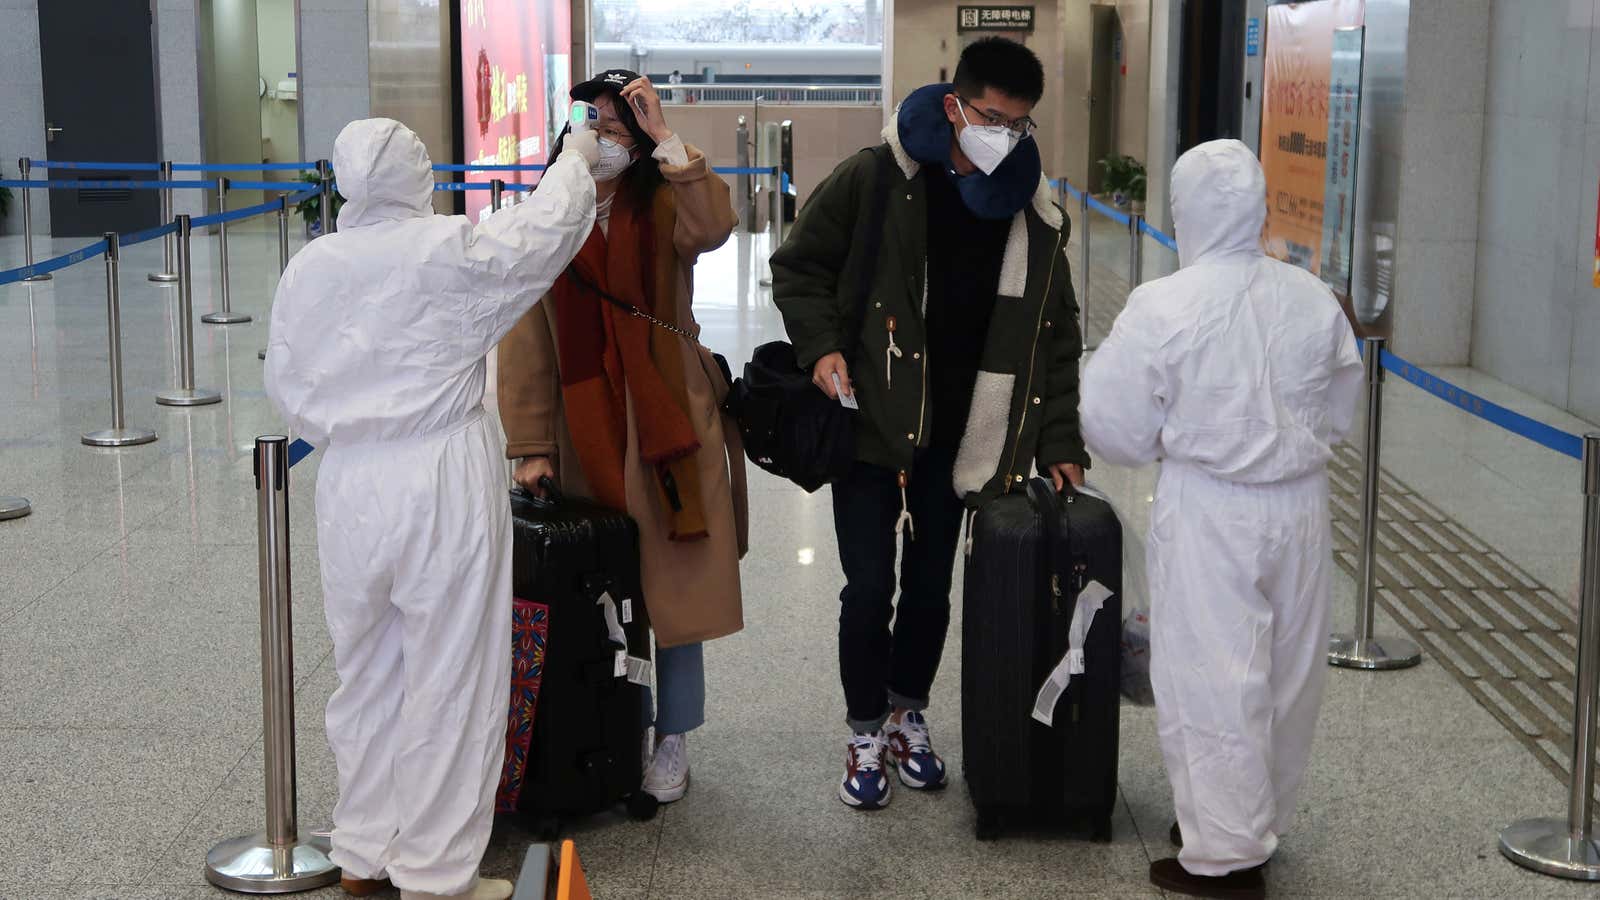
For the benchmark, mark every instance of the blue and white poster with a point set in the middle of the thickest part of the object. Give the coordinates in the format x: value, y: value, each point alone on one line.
x: 1344, y: 133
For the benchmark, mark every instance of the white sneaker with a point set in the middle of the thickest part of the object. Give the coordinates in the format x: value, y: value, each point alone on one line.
x: 667, y: 778
x: 485, y: 889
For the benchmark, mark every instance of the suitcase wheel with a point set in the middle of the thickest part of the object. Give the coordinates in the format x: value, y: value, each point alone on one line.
x: 1101, y: 833
x: 988, y: 827
x: 642, y: 807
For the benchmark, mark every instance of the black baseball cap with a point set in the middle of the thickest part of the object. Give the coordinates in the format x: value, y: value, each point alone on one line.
x: 611, y: 81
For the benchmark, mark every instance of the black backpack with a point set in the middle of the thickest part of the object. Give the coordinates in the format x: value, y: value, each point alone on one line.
x: 790, y: 427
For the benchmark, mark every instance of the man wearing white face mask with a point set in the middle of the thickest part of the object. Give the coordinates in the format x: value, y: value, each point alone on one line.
x: 955, y: 329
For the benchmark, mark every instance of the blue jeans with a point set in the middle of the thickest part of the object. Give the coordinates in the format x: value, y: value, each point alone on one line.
x: 681, y: 677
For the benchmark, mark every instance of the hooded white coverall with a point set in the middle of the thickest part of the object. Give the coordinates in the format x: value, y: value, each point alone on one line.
x: 379, y: 334
x: 1238, y: 373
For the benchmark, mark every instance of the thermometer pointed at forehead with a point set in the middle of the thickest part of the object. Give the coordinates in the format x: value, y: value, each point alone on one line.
x: 584, y: 116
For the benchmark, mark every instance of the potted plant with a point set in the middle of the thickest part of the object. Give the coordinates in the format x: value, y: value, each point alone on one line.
x: 311, y: 207
x: 1125, y: 182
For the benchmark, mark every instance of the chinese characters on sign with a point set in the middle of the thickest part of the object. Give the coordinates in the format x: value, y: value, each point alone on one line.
x: 994, y: 18
x: 1297, y: 91
x: 1344, y: 130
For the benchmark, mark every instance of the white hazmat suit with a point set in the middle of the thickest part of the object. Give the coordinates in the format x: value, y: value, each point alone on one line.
x: 1238, y: 373
x: 379, y: 334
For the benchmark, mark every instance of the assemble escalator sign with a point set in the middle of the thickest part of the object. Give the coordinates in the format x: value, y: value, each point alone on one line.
x: 994, y: 18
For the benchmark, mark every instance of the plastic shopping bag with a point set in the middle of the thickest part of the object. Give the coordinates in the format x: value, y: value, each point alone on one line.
x: 1135, y: 610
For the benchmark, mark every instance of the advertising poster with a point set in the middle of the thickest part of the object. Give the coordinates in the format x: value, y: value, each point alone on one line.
x: 1344, y: 133
x: 1296, y: 94
x: 515, y: 77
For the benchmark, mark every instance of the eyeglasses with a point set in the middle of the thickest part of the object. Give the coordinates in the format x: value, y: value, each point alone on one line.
x: 615, y: 132
x: 1019, y: 128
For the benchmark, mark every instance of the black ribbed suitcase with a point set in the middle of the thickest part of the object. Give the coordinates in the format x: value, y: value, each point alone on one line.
x: 584, y: 755
x: 1032, y: 553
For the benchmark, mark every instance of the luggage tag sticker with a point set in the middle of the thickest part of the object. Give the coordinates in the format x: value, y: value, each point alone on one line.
x: 1094, y: 594
x: 1090, y: 601
x: 639, y: 671
x: 847, y: 401
x: 620, y: 668
x: 627, y: 612
x: 613, y: 627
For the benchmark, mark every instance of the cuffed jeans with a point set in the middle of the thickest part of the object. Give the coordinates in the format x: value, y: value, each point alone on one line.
x: 681, y: 679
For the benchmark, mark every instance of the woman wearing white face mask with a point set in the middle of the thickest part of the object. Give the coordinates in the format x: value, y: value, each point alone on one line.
x: 621, y: 410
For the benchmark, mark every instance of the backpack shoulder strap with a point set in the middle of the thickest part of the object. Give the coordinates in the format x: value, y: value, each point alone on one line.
x: 871, y: 237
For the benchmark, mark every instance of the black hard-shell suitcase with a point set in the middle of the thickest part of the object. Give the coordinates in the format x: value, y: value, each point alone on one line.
x: 1032, y: 552
x: 584, y: 753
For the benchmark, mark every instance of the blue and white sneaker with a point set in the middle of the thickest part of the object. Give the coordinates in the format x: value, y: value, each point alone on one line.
x: 865, y: 785
x: 911, y: 752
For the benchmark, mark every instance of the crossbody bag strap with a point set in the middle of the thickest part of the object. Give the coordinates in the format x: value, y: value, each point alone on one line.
x: 625, y: 306
x: 871, y: 240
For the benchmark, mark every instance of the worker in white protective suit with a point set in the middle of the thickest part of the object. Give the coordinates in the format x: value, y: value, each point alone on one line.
x: 1238, y: 373
x: 379, y: 334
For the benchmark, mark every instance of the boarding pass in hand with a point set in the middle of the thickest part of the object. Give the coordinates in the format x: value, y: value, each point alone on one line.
x: 848, y: 401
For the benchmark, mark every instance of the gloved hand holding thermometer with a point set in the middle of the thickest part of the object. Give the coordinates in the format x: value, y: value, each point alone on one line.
x: 581, y: 136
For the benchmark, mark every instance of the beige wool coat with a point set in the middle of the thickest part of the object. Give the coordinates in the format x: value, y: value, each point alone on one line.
x: 691, y: 590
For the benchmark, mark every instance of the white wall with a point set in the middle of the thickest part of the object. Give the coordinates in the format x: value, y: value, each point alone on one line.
x: 21, y: 106
x: 1161, y: 130
x: 178, y: 92
x: 1437, y: 232
x: 335, y: 88
x: 1133, y: 78
x: 280, y: 119
x: 1536, y: 321
x: 230, y: 89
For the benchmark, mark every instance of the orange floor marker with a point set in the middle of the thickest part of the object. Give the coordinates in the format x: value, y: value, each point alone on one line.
x: 572, y: 885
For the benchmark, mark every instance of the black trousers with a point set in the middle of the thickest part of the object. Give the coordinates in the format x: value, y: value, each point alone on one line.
x: 880, y: 666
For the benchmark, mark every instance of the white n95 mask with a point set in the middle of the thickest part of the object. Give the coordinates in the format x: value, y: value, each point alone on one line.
x: 986, y: 145
x: 614, y: 160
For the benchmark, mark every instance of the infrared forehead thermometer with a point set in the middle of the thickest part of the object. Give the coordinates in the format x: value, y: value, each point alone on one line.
x: 584, y: 116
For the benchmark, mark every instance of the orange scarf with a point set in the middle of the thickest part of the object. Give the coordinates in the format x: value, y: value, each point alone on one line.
x: 608, y: 356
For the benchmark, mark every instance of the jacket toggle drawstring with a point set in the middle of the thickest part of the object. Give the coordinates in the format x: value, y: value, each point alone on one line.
x: 891, y: 355
x: 905, y: 523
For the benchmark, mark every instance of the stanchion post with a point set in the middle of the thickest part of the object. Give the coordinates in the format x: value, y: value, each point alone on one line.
x: 24, y: 165
x: 1361, y: 650
x: 283, y: 245
x: 283, y: 232
x: 1566, y: 847
x: 1084, y: 230
x: 275, y: 861
x: 497, y: 189
x: 168, y: 274
x: 325, y: 185
x: 1135, y: 252
x: 186, y: 393
x: 226, y: 315
x: 14, y: 508
x: 119, y: 434
x: 742, y: 181
x: 785, y: 176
